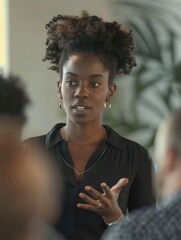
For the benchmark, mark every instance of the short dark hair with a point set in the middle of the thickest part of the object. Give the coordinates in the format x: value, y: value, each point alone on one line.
x: 13, y: 98
x: 108, y: 40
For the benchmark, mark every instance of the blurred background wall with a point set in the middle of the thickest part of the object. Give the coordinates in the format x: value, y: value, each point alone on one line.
x: 4, y: 37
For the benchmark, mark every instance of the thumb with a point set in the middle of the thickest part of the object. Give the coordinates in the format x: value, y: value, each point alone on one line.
x: 119, y: 185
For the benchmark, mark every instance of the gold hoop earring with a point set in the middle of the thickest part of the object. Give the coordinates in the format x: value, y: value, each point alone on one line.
x: 110, y: 106
x: 105, y: 105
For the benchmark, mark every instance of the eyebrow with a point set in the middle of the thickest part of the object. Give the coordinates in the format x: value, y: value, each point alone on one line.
x: 91, y: 76
x: 70, y: 73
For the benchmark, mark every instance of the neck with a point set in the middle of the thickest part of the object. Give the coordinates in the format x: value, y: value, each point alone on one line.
x: 84, y: 134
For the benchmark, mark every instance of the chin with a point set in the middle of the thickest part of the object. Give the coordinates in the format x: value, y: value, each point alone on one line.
x: 82, y: 120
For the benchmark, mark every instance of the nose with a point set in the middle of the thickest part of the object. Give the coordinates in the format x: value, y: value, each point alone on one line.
x: 81, y: 91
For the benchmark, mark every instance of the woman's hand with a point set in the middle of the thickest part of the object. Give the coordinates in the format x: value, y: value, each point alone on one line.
x: 104, y: 204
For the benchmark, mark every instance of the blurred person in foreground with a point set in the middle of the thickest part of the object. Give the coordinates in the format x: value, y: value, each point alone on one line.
x: 13, y: 102
x: 163, y: 223
x: 27, y: 198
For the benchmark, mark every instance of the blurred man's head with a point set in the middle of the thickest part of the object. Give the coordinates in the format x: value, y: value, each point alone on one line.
x: 168, y: 156
x: 28, y: 192
x: 13, y: 98
x: 29, y: 183
x: 13, y: 101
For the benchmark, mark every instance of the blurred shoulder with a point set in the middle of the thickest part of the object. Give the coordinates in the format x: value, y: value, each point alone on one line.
x: 134, y: 227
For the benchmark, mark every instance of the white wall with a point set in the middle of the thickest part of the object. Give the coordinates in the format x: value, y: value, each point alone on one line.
x: 27, y: 47
x: 4, y: 37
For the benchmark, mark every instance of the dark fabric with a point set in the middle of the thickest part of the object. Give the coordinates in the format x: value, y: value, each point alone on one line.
x: 123, y: 158
x: 150, y: 224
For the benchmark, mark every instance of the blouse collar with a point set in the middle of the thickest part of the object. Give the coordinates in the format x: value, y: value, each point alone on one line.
x: 113, y: 138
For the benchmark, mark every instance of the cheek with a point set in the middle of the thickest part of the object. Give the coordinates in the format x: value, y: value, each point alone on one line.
x: 67, y: 99
x: 66, y: 94
x: 67, y: 102
x: 101, y: 96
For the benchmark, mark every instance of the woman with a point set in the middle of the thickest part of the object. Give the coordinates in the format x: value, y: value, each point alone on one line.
x: 95, y: 161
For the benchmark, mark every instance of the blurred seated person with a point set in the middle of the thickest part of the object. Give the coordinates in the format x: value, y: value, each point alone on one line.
x: 28, y: 199
x: 13, y: 101
x: 163, y: 223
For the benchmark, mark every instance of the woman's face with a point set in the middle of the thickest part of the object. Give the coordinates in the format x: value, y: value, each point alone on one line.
x: 84, y: 88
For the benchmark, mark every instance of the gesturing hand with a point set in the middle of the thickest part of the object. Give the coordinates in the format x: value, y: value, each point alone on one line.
x: 104, y: 204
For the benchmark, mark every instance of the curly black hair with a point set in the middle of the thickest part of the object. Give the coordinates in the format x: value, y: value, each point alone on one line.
x: 13, y: 98
x: 108, y: 40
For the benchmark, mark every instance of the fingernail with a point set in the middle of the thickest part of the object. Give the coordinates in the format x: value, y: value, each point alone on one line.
x: 87, y: 188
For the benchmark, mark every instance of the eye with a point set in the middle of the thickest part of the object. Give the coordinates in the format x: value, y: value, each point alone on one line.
x: 95, y: 84
x: 70, y: 83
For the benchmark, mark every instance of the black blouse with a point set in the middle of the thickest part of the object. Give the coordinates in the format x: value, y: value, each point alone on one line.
x: 122, y: 158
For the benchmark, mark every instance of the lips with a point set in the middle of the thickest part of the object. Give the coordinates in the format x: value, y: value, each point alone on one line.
x: 80, y: 107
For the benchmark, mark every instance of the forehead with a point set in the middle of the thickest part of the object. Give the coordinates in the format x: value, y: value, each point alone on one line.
x: 84, y: 64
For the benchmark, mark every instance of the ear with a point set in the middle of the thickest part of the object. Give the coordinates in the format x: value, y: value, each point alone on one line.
x: 111, y: 91
x: 59, y: 86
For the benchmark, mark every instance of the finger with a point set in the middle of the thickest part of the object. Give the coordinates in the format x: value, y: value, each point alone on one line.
x: 89, y: 200
x: 106, y: 190
x: 87, y: 207
x: 94, y: 193
x: 119, y: 185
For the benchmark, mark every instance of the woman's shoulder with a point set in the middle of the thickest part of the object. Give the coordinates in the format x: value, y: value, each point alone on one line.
x: 122, y: 142
x: 46, y: 139
x: 132, y: 151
